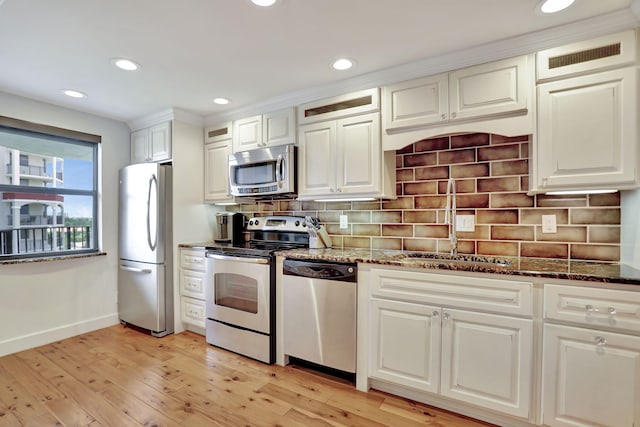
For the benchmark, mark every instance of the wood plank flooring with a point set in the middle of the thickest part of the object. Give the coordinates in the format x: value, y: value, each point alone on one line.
x: 121, y: 377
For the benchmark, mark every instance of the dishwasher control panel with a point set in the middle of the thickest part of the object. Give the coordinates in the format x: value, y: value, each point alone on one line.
x: 343, y: 272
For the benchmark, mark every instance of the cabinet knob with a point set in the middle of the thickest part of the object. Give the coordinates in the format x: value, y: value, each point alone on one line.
x: 612, y: 310
x: 443, y: 116
x: 332, y: 190
x: 435, y: 313
x: 453, y: 115
x: 600, y: 341
x: 446, y: 316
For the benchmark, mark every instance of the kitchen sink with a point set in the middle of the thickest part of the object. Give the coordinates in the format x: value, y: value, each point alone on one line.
x: 456, y: 259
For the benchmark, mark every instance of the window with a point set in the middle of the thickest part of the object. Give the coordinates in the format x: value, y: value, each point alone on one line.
x: 48, y: 201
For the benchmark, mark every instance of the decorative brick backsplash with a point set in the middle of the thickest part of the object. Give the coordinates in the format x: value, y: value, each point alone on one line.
x: 491, y: 173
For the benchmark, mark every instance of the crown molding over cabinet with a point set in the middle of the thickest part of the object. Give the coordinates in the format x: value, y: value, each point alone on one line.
x: 502, y: 49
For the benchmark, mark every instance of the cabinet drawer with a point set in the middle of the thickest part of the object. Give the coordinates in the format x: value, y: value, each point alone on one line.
x: 192, y: 283
x: 608, y: 308
x: 192, y: 260
x: 492, y: 295
x: 193, y: 311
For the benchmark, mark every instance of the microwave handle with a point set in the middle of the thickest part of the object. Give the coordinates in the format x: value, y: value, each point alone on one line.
x: 279, y: 171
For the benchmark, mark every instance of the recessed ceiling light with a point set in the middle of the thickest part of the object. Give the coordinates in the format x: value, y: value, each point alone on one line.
x: 553, y: 6
x: 74, y: 93
x: 342, y: 64
x: 125, y: 64
x: 264, y: 3
x: 221, y: 101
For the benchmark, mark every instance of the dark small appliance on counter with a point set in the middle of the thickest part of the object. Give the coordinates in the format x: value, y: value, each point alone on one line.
x: 229, y: 227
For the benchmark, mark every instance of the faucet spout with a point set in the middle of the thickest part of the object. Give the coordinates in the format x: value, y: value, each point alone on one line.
x: 450, y: 215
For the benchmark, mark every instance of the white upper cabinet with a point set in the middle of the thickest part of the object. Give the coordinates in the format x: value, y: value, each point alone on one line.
x: 217, y: 148
x: 273, y: 128
x: 223, y: 132
x: 339, y: 152
x: 416, y: 102
x: 587, y: 125
x: 484, y: 90
x: 606, y: 52
x: 488, y: 90
x: 151, y: 144
x: 342, y: 158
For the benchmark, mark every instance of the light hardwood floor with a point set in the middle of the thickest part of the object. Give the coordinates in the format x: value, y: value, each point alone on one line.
x: 121, y: 377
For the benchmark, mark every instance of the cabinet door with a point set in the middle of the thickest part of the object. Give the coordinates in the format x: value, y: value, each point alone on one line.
x: 486, y: 360
x: 358, y: 154
x: 247, y: 133
x: 587, y: 131
x: 316, y: 159
x: 140, y: 146
x: 279, y: 127
x: 405, y: 344
x: 160, y: 142
x: 489, y: 89
x: 590, y: 378
x: 416, y: 102
x: 216, y: 171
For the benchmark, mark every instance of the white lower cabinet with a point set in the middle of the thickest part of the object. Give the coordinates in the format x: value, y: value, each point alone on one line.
x: 192, y: 292
x: 591, y: 378
x: 487, y: 360
x: 405, y: 346
x: 483, y: 359
x: 591, y: 367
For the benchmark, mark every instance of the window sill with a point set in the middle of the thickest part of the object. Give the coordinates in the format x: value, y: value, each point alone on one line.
x: 51, y: 258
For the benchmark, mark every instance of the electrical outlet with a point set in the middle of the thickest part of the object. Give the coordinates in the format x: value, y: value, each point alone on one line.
x: 549, y: 224
x: 466, y: 223
x: 344, y: 221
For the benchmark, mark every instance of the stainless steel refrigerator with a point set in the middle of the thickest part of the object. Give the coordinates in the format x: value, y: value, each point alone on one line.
x: 145, y: 274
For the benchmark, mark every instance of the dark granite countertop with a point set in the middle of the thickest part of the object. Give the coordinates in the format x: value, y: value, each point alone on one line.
x: 530, y: 267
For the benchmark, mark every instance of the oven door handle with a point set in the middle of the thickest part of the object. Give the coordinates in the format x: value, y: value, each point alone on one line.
x: 238, y: 259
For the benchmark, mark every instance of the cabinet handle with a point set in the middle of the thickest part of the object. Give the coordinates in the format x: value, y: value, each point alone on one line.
x: 339, y: 190
x: 446, y: 316
x: 332, y: 190
x: 600, y: 341
x: 591, y: 309
x: 612, y: 311
x: 443, y: 116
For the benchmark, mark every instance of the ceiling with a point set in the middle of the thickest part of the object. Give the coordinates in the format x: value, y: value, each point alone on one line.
x: 192, y: 51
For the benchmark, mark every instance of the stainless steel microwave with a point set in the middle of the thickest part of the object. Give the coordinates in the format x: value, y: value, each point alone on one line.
x: 265, y: 171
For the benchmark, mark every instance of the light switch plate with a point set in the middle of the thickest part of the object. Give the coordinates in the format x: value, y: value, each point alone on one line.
x: 466, y: 223
x: 549, y: 224
x: 344, y: 221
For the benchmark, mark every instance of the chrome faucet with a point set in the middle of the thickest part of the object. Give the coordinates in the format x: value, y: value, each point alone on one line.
x: 450, y: 215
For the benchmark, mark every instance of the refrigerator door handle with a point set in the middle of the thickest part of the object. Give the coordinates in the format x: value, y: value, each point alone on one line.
x: 135, y: 270
x: 152, y: 246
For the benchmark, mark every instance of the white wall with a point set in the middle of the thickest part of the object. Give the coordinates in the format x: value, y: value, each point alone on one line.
x: 41, y: 302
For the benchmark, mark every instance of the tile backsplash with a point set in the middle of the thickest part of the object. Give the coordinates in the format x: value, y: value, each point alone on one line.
x: 491, y: 173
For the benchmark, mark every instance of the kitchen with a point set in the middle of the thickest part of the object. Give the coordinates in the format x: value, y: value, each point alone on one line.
x: 60, y: 302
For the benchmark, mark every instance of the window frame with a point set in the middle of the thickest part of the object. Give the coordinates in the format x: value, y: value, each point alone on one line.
x: 68, y: 137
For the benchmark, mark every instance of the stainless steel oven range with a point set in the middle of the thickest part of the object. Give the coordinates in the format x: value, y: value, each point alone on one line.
x: 240, y: 286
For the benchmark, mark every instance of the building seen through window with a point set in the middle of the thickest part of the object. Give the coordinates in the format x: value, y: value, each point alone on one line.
x: 48, y: 199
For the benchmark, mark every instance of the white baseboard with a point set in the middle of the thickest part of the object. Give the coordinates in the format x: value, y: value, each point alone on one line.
x: 37, y: 339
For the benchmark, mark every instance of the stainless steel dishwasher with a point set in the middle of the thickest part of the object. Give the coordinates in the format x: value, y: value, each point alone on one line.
x: 319, y: 312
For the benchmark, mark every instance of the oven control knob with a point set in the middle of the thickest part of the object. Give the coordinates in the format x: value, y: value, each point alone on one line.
x: 257, y: 222
x: 297, y: 223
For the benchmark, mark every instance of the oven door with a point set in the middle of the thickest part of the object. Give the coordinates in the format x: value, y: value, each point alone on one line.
x: 238, y: 291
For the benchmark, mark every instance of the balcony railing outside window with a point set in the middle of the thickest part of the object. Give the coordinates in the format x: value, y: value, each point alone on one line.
x: 39, y: 240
